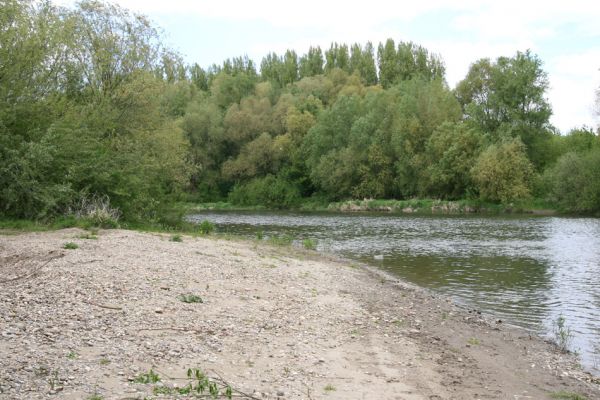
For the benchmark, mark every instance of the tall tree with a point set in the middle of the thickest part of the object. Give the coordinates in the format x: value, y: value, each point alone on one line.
x: 311, y: 63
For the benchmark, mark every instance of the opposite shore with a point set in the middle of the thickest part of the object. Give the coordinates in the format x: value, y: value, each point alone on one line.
x: 86, y: 314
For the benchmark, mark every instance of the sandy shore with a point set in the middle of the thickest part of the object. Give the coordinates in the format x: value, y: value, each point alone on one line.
x: 273, y: 322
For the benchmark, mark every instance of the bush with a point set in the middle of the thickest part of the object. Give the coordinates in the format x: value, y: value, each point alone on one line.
x: 206, y: 227
x: 503, y: 173
x: 96, y: 211
x: 575, y: 182
x: 270, y: 191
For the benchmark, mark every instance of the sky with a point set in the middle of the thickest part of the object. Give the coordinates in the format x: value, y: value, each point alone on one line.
x: 565, y: 35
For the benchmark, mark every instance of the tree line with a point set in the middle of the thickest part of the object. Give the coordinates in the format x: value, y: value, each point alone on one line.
x: 93, y: 104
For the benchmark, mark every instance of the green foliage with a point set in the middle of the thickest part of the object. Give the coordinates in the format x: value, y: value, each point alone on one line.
x: 562, y: 395
x: 329, y: 388
x: 206, y: 227
x: 102, y: 125
x: 70, y: 246
x: 284, y: 240
x: 190, y: 298
x: 562, y: 334
x: 271, y: 191
x: 503, y: 173
x: 574, y: 181
x: 176, y: 238
x: 147, y: 377
x: 309, y: 244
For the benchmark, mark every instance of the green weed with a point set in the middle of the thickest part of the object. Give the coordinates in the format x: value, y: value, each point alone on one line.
x: 285, y: 240
x: 149, y: 377
x: 70, y: 246
x: 190, y: 298
x: 206, y: 227
x: 309, y: 244
x: 473, y: 341
x: 176, y: 238
x: 329, y: 388
x: 567, y: 396
x: 562, y: 334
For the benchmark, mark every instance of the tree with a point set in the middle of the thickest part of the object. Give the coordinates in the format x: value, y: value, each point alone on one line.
x: 506, y: 99
x: 575, y: 181
x: 387, y: 62
x: 311, y: 64
x: 503, y: 172
x: 452, y: 151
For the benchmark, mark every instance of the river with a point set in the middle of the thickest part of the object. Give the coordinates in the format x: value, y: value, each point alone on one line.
x: 524, y: 270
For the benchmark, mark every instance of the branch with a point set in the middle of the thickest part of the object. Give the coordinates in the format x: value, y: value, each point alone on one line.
x: 35, y: 271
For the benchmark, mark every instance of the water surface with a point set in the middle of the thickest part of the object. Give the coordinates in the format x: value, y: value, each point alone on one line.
x: 524, y: 270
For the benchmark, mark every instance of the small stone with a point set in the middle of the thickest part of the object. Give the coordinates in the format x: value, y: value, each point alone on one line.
x: 158, y: 310
x: 280, y: 393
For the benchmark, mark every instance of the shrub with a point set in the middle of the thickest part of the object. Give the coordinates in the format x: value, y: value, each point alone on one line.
x: 503, y: 172
x: 96, y: 211
x: 270, y: 191
x: 575, y: 181
x: 206, y: 227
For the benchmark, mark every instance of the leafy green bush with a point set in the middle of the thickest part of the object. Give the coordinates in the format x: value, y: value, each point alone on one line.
x: 270, y: 191
x: 575, y: 181
x: 503, y: 173
x: 206, y: 227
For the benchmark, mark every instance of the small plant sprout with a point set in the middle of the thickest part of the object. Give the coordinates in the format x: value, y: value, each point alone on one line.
x: 176, y: 238
x: 149, y: 377
x: 473, y: 341
x: 70, y: 246
x: 72, y: 355
x: 562, y: 334
x: 329, y: 388
x: 190, y: 298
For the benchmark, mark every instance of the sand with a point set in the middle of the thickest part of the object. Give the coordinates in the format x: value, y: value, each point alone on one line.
x: 274, y: 322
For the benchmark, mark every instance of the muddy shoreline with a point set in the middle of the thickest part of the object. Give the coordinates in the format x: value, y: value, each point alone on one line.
x: 274, y: 322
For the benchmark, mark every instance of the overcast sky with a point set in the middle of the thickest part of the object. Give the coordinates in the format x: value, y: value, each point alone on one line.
x: 564, y: 34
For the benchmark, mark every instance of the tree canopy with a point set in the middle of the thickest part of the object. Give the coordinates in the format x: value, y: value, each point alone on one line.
x: 93, y: 104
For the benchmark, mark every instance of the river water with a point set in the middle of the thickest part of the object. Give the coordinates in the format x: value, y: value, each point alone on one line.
x: 527, y: 271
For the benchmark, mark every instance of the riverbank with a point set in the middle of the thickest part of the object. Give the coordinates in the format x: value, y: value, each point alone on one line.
x: 413, y: 206
x: 274, y: 322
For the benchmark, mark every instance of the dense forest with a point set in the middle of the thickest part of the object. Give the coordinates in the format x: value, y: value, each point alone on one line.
x: 94, y: 107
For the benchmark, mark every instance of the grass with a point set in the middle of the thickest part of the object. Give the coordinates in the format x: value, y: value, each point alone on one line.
x: 309, y: 244
x: 284, y: 240
x: 190, y: 298
x: 473, y: 341
x: 104, y: 361
x: 176, y: 238
x: 567, y: 396
x: 329, y: 388
x: 206, y: 227
x: 70, y: 246
x: 562, y: 334
x: 72, y: 355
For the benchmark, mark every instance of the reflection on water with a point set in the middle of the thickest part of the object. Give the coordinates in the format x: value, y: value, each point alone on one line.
x: 525, y: 270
